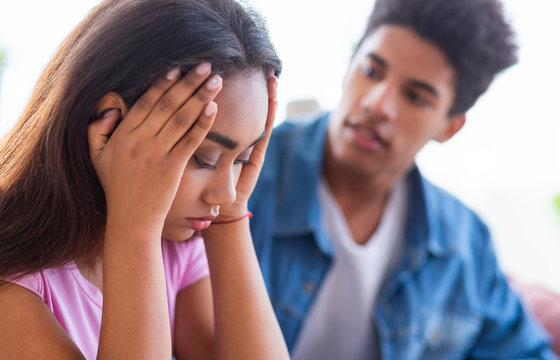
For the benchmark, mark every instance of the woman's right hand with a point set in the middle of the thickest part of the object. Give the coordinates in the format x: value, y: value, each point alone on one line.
x: 140, y: 163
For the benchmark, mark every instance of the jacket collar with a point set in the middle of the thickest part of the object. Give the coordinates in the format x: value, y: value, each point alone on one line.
x: 424, y: 228
x: 300, y: 181
x: 297, y: 199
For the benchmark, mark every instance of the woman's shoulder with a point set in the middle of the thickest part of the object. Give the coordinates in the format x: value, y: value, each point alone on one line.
x: 55, y: 284
x: 40, y: 282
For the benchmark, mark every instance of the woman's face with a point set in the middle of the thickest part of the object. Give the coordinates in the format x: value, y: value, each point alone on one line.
x: 211, y: 174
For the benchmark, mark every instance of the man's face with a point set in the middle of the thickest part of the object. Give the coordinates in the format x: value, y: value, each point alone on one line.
x: 397, y: 93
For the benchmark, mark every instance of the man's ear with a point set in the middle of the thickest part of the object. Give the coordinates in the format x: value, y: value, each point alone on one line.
x: 110, y: 101
x: 454, y: 124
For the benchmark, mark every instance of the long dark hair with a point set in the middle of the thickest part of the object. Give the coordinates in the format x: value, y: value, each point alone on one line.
x: 52, y: 206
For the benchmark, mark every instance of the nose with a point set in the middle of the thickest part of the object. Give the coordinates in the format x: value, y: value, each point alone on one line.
x: 221, y: 189
x: 381, y: 100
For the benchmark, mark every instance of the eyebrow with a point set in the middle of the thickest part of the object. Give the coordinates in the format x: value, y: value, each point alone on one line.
x: 425, y: 86
x: 416, y: 83
x: 378, y: 60
x: 228, y: 142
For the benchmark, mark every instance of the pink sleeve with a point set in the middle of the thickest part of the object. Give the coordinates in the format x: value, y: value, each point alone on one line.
x: 197, y: 265
x: 31, y: 282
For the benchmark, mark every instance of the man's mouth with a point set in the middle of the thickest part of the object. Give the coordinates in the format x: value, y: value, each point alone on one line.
x: 367, y: 136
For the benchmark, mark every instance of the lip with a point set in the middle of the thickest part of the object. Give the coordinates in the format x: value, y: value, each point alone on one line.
x: 200, y: 223
x: 366, y: 136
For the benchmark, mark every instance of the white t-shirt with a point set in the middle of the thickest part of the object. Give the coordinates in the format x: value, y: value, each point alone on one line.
x: 339, y: 324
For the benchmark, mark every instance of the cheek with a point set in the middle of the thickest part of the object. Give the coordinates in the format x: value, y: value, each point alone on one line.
x: 236, y: 173
x: 189, y: 188
x: 417, y: 131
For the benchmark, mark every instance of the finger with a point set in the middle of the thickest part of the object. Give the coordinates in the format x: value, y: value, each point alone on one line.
x: 196, y: 134
x: 250, y: 172
x: 176, y: 96
x: 182, y: 120
x: 259, y: 151
x: 99, y: 131
x: 272, y: 87
x: 270, y: 117
x: 146, y: 103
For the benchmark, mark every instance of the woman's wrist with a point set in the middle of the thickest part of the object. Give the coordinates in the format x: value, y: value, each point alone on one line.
x: 232, y: 213
x: 248, y: 214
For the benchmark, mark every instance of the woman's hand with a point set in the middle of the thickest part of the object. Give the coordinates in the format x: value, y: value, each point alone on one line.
x: 251, y: 171
x: 140, y: 163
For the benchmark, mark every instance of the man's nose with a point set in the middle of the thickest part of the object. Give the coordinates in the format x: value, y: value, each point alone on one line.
x: 381, y: 100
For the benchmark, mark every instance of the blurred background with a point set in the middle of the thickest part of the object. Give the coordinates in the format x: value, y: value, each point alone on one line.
x: 505, y: 163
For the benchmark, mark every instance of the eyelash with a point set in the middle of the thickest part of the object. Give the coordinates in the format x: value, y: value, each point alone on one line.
x: 206, y: 166
x: 242, y: 162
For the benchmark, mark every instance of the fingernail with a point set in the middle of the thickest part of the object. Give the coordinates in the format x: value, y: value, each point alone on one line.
x: 173, y: 74
x: 108, y: 112
x: 202, y: 68
x: 214, y: 83
x: 210, y: 109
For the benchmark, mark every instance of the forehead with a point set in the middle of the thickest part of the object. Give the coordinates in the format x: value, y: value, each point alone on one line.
x: 408, y: 55
x: 242, y: 107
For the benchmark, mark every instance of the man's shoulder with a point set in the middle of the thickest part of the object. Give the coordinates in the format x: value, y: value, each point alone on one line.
x: 301, y: 125
x: 296, y: 143
x: 446, y: 204
x: 456, y: 224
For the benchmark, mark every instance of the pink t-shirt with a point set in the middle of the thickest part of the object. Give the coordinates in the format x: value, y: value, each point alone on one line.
x: 77, y: 304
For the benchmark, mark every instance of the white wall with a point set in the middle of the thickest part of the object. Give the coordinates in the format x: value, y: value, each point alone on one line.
x: 505, y: 163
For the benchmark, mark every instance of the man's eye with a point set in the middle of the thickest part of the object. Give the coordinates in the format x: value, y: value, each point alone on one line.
x: 370, y: 71
x: 417, y: 99
x: 204, y: 164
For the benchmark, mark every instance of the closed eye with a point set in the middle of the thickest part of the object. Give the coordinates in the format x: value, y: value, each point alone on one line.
x: 242, y: 162
x: 203, y: 164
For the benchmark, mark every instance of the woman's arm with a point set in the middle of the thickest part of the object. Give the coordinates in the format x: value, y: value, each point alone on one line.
x: 245, y: 324
x: 246, y: 327
x: 194, y: 322
x: 29, y: 329
x: 140, y: 167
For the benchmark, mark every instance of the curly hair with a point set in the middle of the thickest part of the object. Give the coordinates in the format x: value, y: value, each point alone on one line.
x: 474, y: 35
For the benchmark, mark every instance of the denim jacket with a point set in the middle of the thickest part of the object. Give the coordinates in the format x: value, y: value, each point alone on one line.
x: 447, y: 298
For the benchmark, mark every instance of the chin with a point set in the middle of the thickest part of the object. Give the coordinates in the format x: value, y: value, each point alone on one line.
x: 179, y: 235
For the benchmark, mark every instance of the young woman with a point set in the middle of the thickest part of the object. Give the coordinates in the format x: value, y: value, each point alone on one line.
x: 148, y: 128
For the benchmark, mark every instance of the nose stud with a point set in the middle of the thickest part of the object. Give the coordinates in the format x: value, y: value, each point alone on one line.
x: 216, y: 210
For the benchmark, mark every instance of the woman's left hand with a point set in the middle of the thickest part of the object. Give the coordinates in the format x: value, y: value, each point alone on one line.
x: 251, y: 171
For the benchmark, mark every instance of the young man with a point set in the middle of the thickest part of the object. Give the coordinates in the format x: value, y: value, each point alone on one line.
x: 363, y: 257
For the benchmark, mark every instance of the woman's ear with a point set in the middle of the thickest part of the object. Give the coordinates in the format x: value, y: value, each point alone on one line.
x: 110, y: 101
x: 108, y: 114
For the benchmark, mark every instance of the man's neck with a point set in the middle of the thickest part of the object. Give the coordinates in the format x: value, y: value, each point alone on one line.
x: 362, y: 197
